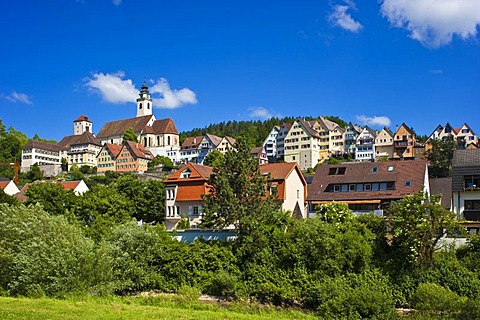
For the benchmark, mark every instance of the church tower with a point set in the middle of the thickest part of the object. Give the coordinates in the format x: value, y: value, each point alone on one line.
x: 82, y: 124
x: 144, y: 102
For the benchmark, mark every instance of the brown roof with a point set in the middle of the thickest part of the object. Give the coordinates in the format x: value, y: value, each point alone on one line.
x: 398, y: 172
x: 281, y: 171
x: 256, y: 151
x: 4, y: 184
x: 84, y: 138
x: 164, y: 126
x: 466, y: 158
x: 442, y: 187
x: 138, y: 150
x: 67, y: 185
x: 198, y: 172
x: 82, y: 118
x: 308, y: 128
x: 214, y: 139
x: 113, y: 148
x: 118, y: 128
x: 42, y: 145
x: 192, y: 142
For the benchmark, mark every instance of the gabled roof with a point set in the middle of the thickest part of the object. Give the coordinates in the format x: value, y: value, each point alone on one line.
x: 398, y: 172
x: 192, y: 142
x: 4, y: 184
x: 281, y: 171
x: 230, y: 140
x: 82, y: 118
x: 114, y: 149
x: 119, y: 127
x: 308, y: 128
x: 165, y: 126
x: 403, y: 125
x: 368, y: 130
x: 197, y: 172
x: 257, y: 150
x: 84, y: 138
x: 138, y: 151
x: 215, y: 140
x: 42, y: 145
x: 329, y: 125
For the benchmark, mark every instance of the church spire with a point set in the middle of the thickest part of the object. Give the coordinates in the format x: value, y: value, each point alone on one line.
x: 144, y: 102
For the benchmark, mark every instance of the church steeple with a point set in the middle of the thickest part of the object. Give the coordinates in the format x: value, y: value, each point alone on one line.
x: 144, y: 102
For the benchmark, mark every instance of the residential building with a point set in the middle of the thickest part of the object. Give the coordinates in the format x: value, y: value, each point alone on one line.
x: 133, y: 157
x: 404, y: 142
x: 9, y: 187
x: 337, y: 141
x: 186, y: 187
x: 160, y: 137
x: 367, y: 186
x: 184, y: 194
x: 466, y: 187
x: 384, y: 144
x: 190, y: 149
x: 282, y: 133
x: 80, y: 149
x: 196, y: 149
x: 288, y: 186
x: 463, y: 135
x: 107, y: 157
x: 324, y: 129
x: 365, y: 145
x: 227, y: 143
x: 301, y: 145
x: 350, y: 136
x: 270, y: 144
x: 260, y: 154
x: 209, y: 143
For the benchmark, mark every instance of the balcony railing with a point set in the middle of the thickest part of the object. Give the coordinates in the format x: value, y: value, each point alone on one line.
x: 471, y: 215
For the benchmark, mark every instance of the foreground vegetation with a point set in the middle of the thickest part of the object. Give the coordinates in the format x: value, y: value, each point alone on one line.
x: 178, y: 307
x: 336, y: 265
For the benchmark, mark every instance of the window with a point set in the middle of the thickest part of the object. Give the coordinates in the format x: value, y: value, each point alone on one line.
x: 352, y: 187
x: 390, y: 168
x: 374, y: 169
x: 332, y: 171
x: 336, y: 188
x: 408, y: 183
x: 140, y: 106
x: 368, y: 187
x: 185, y: 173
x: 298, y: 194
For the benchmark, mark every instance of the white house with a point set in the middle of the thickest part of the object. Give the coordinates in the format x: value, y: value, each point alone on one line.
x: 9, y: 187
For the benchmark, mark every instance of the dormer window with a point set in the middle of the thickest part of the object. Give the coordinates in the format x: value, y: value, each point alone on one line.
x: 374, y: 169
x: 185, y: 173
x: 390, y: 168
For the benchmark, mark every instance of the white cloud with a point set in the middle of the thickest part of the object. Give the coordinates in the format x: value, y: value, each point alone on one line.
x: 117, y: 2
x: 112, y: 87
x: 18, y: 97
x: 341, y: 18
x: 172, y: 99
x: 262, y: 113
x: 434, y: 22
x: 380, y: 121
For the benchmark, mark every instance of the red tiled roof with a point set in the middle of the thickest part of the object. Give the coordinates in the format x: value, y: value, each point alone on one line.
x: 67, y: 185
x: 113, y: 148
x: 138, y: 150
x: 356, y: 173
x: 82, y: 118
x: 4, y: 184
x: 192, y: 142
x: 198, y: 172
x: 164, y: 126
x: 118, y: 128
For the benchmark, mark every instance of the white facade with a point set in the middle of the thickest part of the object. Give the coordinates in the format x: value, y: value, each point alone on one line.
x: 365, y: 145
x: 9, y: 187
x: 144, y: 102
x: 384, y: 144
x: 270, y: 143
x: 40, y: 153
x: 294, y: 194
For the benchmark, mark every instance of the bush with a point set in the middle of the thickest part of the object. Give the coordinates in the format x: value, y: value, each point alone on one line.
x: 432, y: 299
x: 45, y: 255
x: 353, y: 296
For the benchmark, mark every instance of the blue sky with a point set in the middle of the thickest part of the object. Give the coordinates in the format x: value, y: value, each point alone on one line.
x: 369, y: 62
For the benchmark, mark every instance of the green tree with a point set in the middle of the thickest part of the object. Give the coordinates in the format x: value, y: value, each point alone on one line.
x: 35, y: 173
x: 417, y: 223
x: 8, y: 199
x: 236, y: 191
x: 213, y: 158
x: 440, y: 156
x: 130, y: 136
x: 165, y: 162
x: 43, y: 254
x: 53, y: 198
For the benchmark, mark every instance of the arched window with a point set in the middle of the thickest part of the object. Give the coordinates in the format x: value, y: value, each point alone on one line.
x: 145, y: 141
x: 148, y: 105
x: 168, y: 140
x: 140, y: 106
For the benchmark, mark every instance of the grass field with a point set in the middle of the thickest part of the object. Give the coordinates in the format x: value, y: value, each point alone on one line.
x: 135, y: 308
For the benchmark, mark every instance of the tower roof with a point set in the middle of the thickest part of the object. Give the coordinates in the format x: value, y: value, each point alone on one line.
x: 144, y: 89
x: 82, y: 118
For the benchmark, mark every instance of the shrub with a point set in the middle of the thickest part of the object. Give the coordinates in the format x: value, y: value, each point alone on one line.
x: 430, y: 298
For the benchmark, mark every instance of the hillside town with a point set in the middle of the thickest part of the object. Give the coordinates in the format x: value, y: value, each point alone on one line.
x: 372, y: 168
